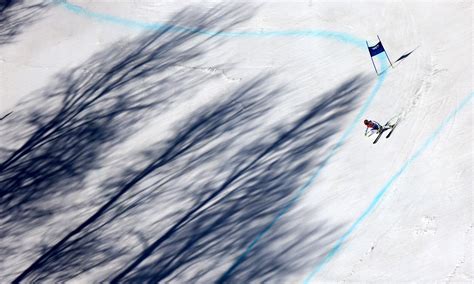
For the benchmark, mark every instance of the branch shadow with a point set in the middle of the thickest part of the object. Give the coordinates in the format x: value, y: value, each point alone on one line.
x: 240, y: 197
x: 187, y: 207
x: 16, y: 15
x: 220, y: 213
x: 62, y: 134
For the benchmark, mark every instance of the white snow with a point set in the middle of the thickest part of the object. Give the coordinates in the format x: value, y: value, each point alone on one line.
x: 259, y: 104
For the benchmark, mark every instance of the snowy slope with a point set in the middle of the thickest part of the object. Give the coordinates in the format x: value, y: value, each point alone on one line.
x: 202, y: 142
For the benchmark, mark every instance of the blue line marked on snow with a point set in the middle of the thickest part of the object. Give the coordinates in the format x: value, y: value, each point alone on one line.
x: 175, y: 28
x: 387, y: 186
x: 300, y: 191
x: 345, y: 38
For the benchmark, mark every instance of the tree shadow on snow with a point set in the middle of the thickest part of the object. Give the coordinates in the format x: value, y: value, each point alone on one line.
x: 196, y: 200
x: 15, y: 15
x: 62, y: 134
x: 241, y: 195
x: 185, y: 208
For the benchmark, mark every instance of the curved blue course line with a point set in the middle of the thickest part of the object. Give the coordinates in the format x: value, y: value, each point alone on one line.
x: 342, y: 37
x: 300, y: 191
x: 387, y: 185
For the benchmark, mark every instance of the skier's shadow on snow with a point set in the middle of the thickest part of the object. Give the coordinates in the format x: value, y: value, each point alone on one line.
x: 16, y: 15
x: 192, y: 201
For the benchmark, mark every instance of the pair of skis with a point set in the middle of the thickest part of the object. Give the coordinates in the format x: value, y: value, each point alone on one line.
x: 388, y: 126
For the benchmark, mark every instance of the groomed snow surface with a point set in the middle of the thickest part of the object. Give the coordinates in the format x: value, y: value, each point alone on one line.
x: 200, y: 142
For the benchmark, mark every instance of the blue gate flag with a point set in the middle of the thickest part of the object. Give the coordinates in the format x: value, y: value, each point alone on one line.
x: 376, y: 49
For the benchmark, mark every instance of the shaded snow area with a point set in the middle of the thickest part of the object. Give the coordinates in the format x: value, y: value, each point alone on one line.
x: 223, y: 142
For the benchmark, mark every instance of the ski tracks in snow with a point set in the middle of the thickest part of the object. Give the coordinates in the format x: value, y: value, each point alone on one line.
x: 462, y: 260
x: 385, y: 188
x: 425, y: 87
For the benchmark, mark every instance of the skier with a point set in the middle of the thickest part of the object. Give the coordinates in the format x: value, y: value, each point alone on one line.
x: 372, y: 127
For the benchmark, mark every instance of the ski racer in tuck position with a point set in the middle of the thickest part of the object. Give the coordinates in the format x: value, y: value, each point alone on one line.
x: 372, y: 127
x: 375, y: 127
